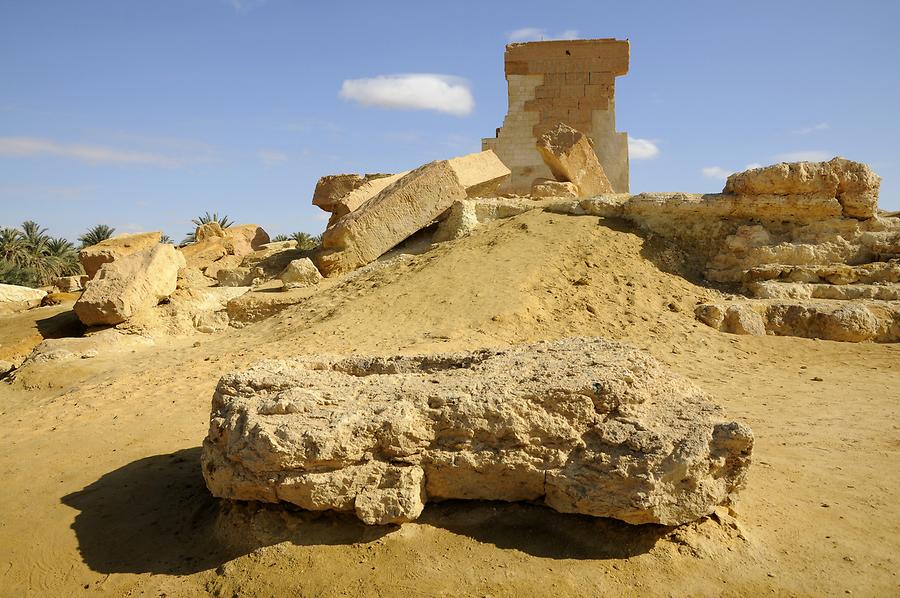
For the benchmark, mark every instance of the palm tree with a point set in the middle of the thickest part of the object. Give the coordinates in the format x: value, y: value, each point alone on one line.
x: 96, y: 234
x: 11, y: 273
x: 12, y: 247
x: 30, y: 256
x: 280, y: 238
x: 206, y: 218
x: 166, y: 239
x: 63, y: 256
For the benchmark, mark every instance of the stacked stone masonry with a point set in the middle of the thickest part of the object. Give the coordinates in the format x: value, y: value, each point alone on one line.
x: 572, y: 82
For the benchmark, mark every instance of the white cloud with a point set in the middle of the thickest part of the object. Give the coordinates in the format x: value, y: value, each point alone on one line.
x: 642, y: 149
x: 21, y: 147
x: 534, y: 34
x: 805, y: 156
x: 823, y: 126
x: 716, y: 172
x: 422, y: 91
x: 271, y: 157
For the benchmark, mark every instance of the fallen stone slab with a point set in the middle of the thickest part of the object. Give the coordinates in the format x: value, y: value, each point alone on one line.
x: 570, y: 156
x: 350, y: 202
x: 405, y: 207
x: 130, y: 284
x: 853, y: 184
x: 111, y: 249
x: 333, y: 187
x: 582, y: 425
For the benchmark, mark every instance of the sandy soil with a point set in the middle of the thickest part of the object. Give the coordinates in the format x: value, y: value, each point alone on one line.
x: 103, y: 495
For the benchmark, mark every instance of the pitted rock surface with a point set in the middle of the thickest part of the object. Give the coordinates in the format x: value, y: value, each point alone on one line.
x: 582, y: 425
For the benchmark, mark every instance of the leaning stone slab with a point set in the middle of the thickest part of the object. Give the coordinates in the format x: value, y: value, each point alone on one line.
x: 114, y: 248
x: 350, y: 202
x: 333, y: 187
x: 129, y: 285
x: 405, y: 207
x: 582, y: 425
x: 570, y: 156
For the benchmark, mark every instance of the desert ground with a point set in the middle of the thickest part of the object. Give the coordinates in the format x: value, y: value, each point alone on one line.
x: 100, y: 457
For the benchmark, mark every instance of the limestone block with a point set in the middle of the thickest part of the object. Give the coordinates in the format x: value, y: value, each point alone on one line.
x: 114, y: 248
x: 549, y: 188
x: 245, y: 238
x: 300, y: 273
x: 129, y: 285
x: 69, y: 284
x: 853, y: 184
x: 208, y: 230
x: 569, y: 154
x: 405, y: 207
x: 345, y: 204
x: 582, y: 425
x: 19, y: 296
x: 333, y: 187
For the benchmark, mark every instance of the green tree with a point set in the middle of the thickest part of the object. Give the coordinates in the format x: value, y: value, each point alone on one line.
x: 206, y: 218
x: 33, y: 258
x: 96, y: 234
x: 166, y: 239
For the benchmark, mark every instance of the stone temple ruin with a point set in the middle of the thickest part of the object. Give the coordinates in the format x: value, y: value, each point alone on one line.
x: 573, y: 82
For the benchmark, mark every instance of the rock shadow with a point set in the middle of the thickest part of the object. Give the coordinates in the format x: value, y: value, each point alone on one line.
x: 540, y: 531
x: 62, y: 325
x: 155, y: 515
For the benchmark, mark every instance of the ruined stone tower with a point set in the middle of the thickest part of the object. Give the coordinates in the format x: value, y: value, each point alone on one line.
x: 569, y: 81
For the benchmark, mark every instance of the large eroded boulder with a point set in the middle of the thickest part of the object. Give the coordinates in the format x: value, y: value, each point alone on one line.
x: 114, y: 248
x: 129, y: 285
x: 411, y: 203
x: 570, y: 156
x: 14, y: 297
x: 853, y: 184
x: 582, y: 425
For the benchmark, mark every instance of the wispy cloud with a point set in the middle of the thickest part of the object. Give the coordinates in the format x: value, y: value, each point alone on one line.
x: 270, y: 157
x: 719, y: 173
x: 805, y: 156
x: 23, y: 147
x: 245, y: 5
x: 823, y: 126
x: 422, y: 91
x: 45, y: 192
x: 533, y: 34
x: 642, y: 149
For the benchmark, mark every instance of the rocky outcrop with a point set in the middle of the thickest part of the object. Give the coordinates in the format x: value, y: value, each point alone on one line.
x: 853, y: 184
x: 260, y: 266
x: 833, y: 320
x: 570, y: 156
x: 129, y: 285
x: 70, y: 284
x: 333, y: 187
x: 115, y: 248
x: 582, y: 425
x: 300, y: 273
x: 405, y: 207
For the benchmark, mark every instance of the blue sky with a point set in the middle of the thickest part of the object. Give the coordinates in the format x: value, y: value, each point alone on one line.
x: 144, y: 114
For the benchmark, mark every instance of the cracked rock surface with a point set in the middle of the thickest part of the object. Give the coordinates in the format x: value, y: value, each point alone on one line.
x: 582, y: 425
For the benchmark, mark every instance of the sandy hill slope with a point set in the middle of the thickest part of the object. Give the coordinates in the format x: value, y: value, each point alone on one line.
x: 100, y: 457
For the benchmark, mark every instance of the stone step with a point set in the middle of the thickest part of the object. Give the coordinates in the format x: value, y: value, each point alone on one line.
x: 773, y: 289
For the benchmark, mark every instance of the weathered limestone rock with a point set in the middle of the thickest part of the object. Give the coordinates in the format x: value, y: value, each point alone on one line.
x: 21, y: 296
x: 836, y: 274
x: 333, y: 187
x: 245, y: 238
x: 359, y: 196
x: 6, y: 367
x: 569, y: 154
x: 853, y: 184
x: 410, y: 204
x: 770, y: 289
x: 834, y: 320
x: 209, y: 230
x: 70, y: 284
x: 300, y: 273
x: 114, y: 248
x: 583, y: 425
x: 548, y: 188
x: 260, y: 266
x: 256, y: 306
x: 130, y: 284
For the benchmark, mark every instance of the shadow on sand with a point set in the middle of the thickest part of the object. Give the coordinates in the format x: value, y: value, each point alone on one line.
x: 155, y: 515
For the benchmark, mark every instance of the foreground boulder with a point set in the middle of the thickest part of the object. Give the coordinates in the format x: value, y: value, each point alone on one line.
x: 853, y: 184
x: 114, y: 248
x: 129, y: 285
x: 570, y: 156
x: 405, y: 207
x: 582, y: 425
x: 300, y: 273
